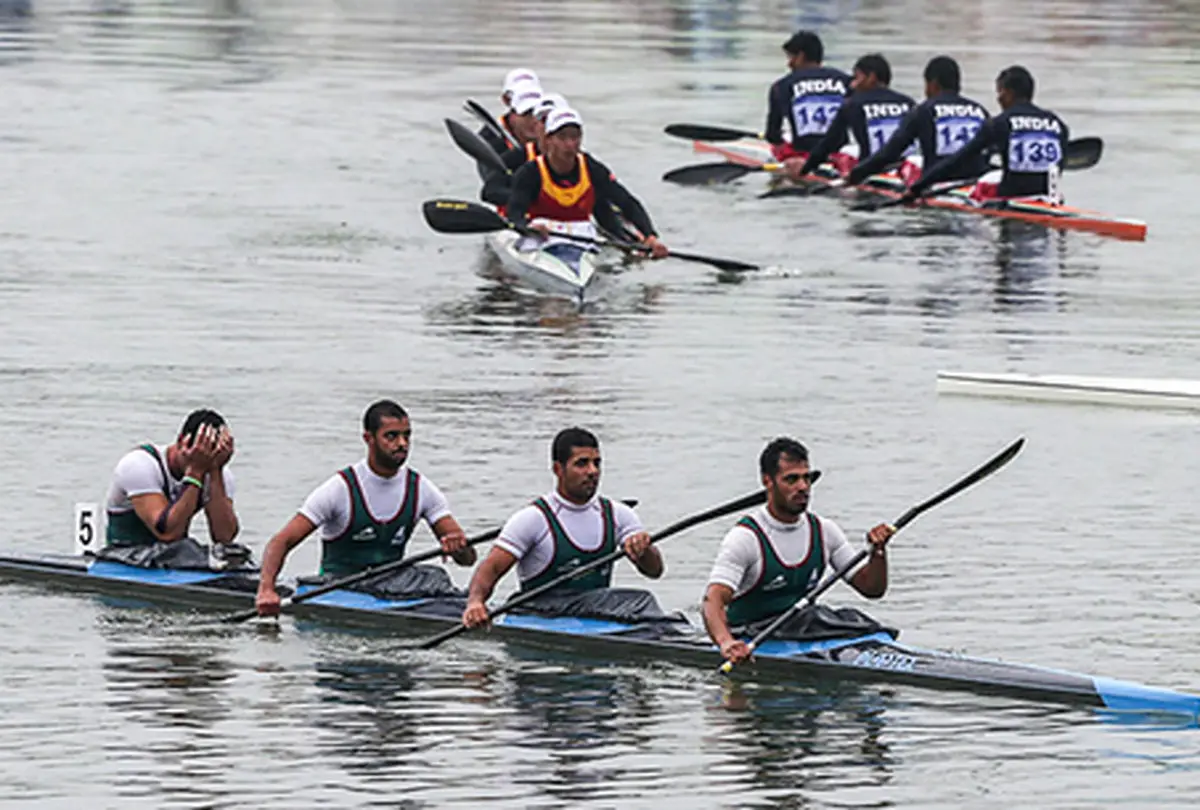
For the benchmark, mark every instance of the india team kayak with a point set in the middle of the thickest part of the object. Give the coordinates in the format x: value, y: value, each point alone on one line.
x: 862, y: 126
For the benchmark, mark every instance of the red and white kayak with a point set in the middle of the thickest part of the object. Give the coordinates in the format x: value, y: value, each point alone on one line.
x: 1064, y: 217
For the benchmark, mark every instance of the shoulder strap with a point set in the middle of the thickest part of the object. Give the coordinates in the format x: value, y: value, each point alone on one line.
x: 162, y: 467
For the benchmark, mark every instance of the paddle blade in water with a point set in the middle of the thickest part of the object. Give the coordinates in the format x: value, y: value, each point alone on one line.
x: 700, y: 132
x: 705, y: 174
x: 460, y: 216
x: 726, y: 265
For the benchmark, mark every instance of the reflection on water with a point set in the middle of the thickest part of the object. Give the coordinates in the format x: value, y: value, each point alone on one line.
x: 791, y: 740
x: 367, y: 714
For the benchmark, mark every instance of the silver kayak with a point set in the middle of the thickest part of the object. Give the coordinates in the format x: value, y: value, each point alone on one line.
x: 557, y: 269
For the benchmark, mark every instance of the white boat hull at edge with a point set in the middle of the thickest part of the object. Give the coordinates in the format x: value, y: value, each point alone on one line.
x: 1124, y: 391
x: 543, y: 271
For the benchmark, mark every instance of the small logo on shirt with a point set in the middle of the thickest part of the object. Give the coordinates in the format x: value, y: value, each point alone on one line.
x: 365, y: 535
x: 779, y: 582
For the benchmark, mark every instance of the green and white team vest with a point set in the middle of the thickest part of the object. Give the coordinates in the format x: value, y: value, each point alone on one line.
x: 567, y: 555
x: 368, y: 542
x: 126, y: 528
x: 779, y: 586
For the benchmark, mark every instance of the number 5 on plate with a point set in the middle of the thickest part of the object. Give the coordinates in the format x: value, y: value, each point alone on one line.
x: 87, y: 528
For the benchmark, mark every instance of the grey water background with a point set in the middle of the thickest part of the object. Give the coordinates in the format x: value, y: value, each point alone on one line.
x: 217, y: 203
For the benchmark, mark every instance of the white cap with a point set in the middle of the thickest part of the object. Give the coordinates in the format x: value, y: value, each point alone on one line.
x: 525, y: 99
x: 562, y: 117
x: 518, y: 77
x: 549, y: 103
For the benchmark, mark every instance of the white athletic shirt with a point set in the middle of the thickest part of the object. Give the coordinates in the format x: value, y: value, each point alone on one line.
x: 527, y: 535
x: 739, y: 560
x: 139, y: 473
x: 328, y: 506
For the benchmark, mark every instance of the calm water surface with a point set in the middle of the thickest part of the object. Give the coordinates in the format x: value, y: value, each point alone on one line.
x: 217, y: 203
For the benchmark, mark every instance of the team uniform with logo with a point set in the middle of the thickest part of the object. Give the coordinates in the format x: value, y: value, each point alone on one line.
x: 862, y: 126
x: 771, y: 565
x: 365, y: 519
x: 1031, y: 143
x: 140, y: 472
x: 941, y: 125
x: 567, y: 202
x: 808, y: 99
x: 553, y: 535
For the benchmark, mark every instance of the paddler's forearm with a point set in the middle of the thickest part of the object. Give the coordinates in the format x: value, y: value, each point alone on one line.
x: 872, y: 579
x: 173, y: 522
x: 222, y: 520
x: 715, y: 620
x: 612, y: 193
x: 273, y: 558
x: 650, y: 564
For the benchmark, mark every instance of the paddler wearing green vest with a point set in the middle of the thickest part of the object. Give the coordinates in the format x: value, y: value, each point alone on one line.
x: 156, y: 490
x: 777, y: 553
x: 366, y: 512
x: 570, y: 526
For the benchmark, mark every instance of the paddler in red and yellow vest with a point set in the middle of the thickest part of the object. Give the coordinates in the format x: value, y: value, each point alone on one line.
x: 570, y: 526
x: 367, y: 511
x: 517, y: 126
x: 531, y: 107
x: 779, y: 552
x: 562, y: 189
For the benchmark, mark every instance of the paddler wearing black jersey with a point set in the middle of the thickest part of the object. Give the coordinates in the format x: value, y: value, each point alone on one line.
x: 808, y: 98
x: 1031, y: 143
x: 942, y: 124
x: 870, y: 116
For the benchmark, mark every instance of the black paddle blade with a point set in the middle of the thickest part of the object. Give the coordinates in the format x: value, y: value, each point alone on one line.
x: 1083, y: 153
x: 992, y: 465
x: 701, y: 132
x: 788, y: 190
x: 474, y: 146
x: 707, y: 174
x: 460, y: 216
x: 869, y: 206
x: 726, y: 265
x: 486, y: 118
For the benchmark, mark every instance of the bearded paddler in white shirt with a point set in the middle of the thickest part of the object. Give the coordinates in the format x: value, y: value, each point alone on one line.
x: 780, y: 551
x: 567, y: 527
x: 367, y: 511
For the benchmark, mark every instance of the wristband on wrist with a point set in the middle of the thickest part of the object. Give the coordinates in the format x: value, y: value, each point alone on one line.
x: 188, y: 479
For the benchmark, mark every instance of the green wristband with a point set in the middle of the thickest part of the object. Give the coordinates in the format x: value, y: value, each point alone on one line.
x: 187, y: 479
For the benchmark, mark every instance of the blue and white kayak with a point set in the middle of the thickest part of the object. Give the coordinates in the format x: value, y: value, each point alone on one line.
x: 872, y: 657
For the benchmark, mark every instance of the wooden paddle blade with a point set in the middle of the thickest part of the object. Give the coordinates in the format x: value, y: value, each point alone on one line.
x: 707, y: 174
x: 1083, y: 153
x: 701, y: 132
x: 460, y: 216
x: 474, y: 146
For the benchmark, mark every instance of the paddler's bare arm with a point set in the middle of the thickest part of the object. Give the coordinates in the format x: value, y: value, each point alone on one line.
x: 496, y: 564
x: 276, y: 552
x: 716, y: 600
x: 222, y: 520
x: 645, y: 555
x: 454, y: 541
x: 170, y: 521
x: 872, y: 579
